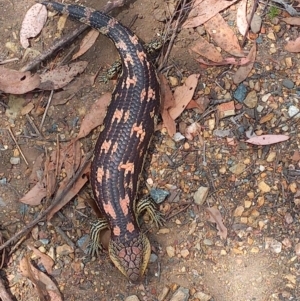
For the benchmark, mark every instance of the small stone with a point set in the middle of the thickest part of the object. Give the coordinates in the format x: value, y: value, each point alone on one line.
x: 247, y: 204
x: 153, y: 258
x: 64, y: 250
x: 293, y: 187
x: 163, y: 231
x: 254, y: 250
x: 15, y: 160
x: 259, y: 108
x: 211, y: 124
x: 208, y: 242
x: 238, y: 211
x: 240, y: 93
x: 226, y: 109
x: 202, y: 297
x: 132, y: 298
x: 184, y: 253
x: 297, y: 249
x: 272, y: 244
x: 200, y: 195
x: 237, y: 169
x: 182, y: 294
x: 271, y: 157
x: 293, y: 112
x: 263, y: 187
x: 251, y: 99
x: 271, y: 36
x: 266, y: 97
x: 288, y: 218
x: 287, y: 83
x: 223, y: 252
x: 170, y: 251
x: 173, y: 81
x: 256, y: 23
x: 222, y: 170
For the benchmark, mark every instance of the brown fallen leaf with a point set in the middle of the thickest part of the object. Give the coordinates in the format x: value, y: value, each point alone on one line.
x: 44, y: 286
x: 46, y: 260
x: 201, y: 103
x: 291, y: 20
x: 183, y: 95
x: 33, y: 22
x: 86, y: 43
x: 267, y: 139
x: 226, y: 61
x: 243, y: 71
x: 223, y: 35
x: 16, y: 82
x: 37, y: 170
x: 35, y: 195
x: 167, y: 102
x: 203, y: 10
x: 207, y: 50
x: 61, y: 76
x: 216, y: 217
x: 95, y: 116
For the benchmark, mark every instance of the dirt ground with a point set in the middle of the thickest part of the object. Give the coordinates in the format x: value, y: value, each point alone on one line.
x: 258, y: 260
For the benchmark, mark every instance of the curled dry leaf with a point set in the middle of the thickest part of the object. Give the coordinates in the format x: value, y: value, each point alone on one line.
x: 167, y: 102
x: 16, y: 82
x: 223, y: 35
x: 95, y: 116
x: 242, y: 73
x: 267, y: 139
x: 44, y: 286
x: 61, y: 76
x: 33, y: 23
x: 183, y: 95
x: 35, y: 195
x: 86, y: 43
x: 215, y: 217
x: 241, y: 17
x: 203, y: 10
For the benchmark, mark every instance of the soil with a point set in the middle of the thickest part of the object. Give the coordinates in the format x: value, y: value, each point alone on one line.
x: 244, y: 266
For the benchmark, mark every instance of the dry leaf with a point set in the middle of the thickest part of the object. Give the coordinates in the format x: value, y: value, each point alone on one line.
x: 223, y: 35
x: 203, y: 10
x: 215, y: 217
x: 46, y: 260
x: 291, y: 20
x: 242, y: 73
x: 226, y: 61
x: 27, y: 109
x: 241, y: 17
x: 293, y: 46
x: 86, y: 43
x: 35, y: 195
x: 167, y: 102
x: 33, y: 23
x: 95, y: 116
x: 183, y: 95
x: 267, y: 139
x: 16, y: 82
x: 45, y: 287
x: 61, y: 76
x: 207, y: 50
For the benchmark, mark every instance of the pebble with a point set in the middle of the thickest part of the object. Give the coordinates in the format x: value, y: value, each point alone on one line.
x: 274, y: 245
x: 163, y: 293
x: 153, y: 258
x: 222, y: 133
x: 202, y: 296
x: 64, y: 250
x: 256, y: 23
x: 208, y: 242
x: 238, y: 211
x: 178, y: 137
x: 15, y: 160
x: 132, y: 298
x: 170, y: 251
x: 293, y: 111
x: 200, y: 195
x: 182, y: 294
x: 240, y: 93
x: 251, y: 100
x: 265, y: 97
x: 159, y: 195
x: 259, y: 108
x: 237, y: 169
x: 184, y: 253
x: 271, y: 157
x: 263, y: 187
x: 287, y: 83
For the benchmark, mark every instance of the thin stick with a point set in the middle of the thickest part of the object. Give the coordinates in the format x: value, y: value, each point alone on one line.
x: 8, y: 61
x: 33, y: 125
x: 56, y: 201
x: 18, y: 147
x: 46, y: 110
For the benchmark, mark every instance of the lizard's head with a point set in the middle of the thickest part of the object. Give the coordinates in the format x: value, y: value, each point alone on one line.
x: 132, y: 257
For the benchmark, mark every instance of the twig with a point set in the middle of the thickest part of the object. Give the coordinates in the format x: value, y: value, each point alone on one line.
x: 8, y: 61
x: 55, y: 202
x: 46, y: 110
x: 18, y: 147
x: 33, y: 125
x: 65, y: 237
